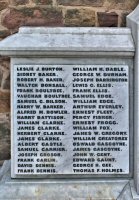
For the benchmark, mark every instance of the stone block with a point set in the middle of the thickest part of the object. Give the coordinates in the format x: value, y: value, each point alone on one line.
x: 123, y: 19
x: 19, y: 2
x: 3, y: 5
x: 15, y: 17
x: 80, y: 17
x: 43, y: 2
x: 60, y: 189
x: 81, y: 2
x: 4, y: 74
x: 4, y: 102
x: 4, y: 136
x: 5, y: 63
x: 107, y: 19
x: 121, y: 4
x: 4, y: 33
x: 1, y: 76
x: 6, y: 81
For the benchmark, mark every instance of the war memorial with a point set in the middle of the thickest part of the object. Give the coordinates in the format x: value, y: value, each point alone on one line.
x: 75, y: 113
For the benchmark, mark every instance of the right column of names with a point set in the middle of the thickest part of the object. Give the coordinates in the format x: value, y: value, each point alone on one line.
x: 100, y: 119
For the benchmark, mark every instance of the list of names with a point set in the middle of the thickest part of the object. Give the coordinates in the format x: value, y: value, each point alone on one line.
x: 71, y: 119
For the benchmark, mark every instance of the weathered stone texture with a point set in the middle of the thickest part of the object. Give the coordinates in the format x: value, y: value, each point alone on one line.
x: 123, y: 19
x: 4, y: 33
x: 121, y: 4
x: 6, y: 81
x: 3, y: 5
x: 107, y: 19
x: 4, y: 102
x: 81, y: 2
x: 4, y: 74
x: 64, y: 12
x: 5, y: 105
x: 81, y: 13
x: 19, y: 2
x: 43, y: 2
x: 80, y: 17
x: 36, y: 16
x: 5, y: 62
x: 4, y: 136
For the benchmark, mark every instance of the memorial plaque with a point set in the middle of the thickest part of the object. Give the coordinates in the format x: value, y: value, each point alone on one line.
x: 70, y: 119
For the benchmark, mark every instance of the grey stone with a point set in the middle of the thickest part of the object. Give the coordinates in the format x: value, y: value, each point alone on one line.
x: 126, y: 194
x: 133, y: 23
x: 133, y: 190
x: 113, y: 42
x: 84, y: 46
x: 64, y: 164
x: 5, y: 169
x: 64, y: 189
x: 19, y: 189
x: 88, y: 61
x: 69, y: 42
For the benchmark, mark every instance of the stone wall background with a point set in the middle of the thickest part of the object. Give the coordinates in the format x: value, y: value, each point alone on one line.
x: 79, y: 13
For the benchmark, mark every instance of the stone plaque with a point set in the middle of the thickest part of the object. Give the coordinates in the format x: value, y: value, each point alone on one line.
x: 70, y: 119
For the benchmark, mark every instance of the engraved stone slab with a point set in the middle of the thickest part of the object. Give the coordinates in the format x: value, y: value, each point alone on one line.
x: 70, y: 119
x: 61, y: 189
